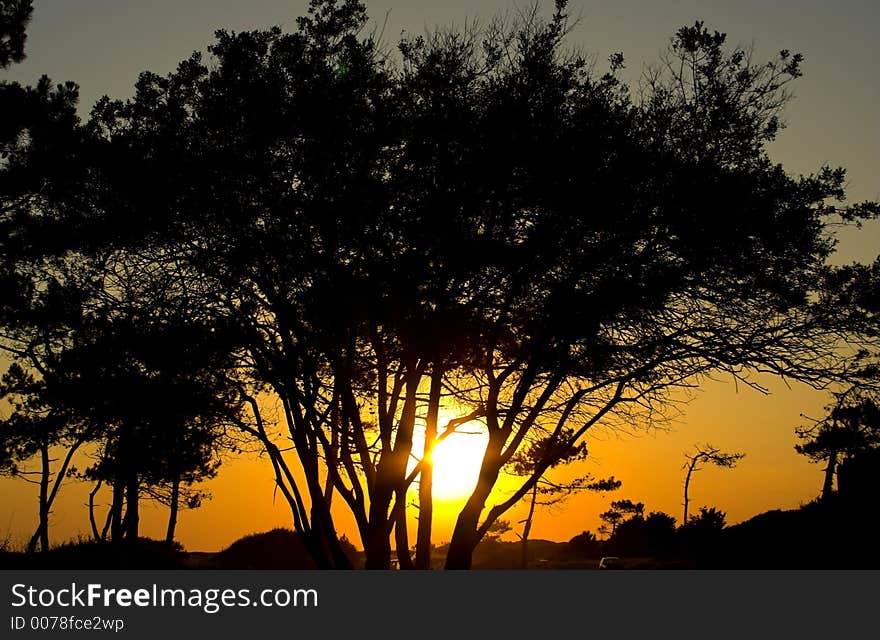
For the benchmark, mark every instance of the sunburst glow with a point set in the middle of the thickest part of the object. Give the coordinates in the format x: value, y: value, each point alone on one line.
x: 456, y: 459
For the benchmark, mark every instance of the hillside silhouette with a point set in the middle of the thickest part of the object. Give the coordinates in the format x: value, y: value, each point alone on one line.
x: 824, y: 534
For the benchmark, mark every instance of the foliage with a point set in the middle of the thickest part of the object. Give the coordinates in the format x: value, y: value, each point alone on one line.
x: 849, y: 430
x: 620, y: 512
x: 14, y: 18
x: 499, y: 528
x: 710, y: 519
x: 705, y: 454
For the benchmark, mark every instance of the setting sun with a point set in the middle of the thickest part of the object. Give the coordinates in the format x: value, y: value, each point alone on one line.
x: 456, y: 459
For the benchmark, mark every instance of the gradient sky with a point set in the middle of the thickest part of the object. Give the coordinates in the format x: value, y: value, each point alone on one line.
x: 103, y: 44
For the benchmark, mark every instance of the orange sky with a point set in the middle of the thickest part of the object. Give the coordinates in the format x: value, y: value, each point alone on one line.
x: 771, y: 476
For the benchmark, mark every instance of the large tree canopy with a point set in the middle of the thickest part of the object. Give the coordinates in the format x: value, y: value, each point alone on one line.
x: 476, y: 219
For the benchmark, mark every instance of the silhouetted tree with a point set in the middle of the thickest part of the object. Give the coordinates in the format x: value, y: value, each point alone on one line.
x: 42, y: 306
x: 40, y: 146
x: 706, y: 454
x: 38, y: 428
x: 599, y: 321
x: 611, y: 519
x: 153, y: 388
x: 93, y: 363
x: 710, y: 518
x: 638, y: 535
x: 620, y: 512
x: 851, y: 427
x: 552, y: 493
x: 702, y: 533
x: 661, y: 533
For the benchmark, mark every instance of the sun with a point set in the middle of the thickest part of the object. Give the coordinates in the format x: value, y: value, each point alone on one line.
x: 457, y: 458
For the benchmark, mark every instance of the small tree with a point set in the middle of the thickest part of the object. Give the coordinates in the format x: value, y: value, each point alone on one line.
x: 702, y: 533
x: 38, y: 428
x: 547, y: 493
x: 152, y: 386
x: 706, y: 454
x: 850, y: 426
x: 653, y: 535
x: 709, y: 518
x: 620, y: 511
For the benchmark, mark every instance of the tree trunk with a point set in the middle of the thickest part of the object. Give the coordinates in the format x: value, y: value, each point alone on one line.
x: 131, y: 521
x: 322, y: 524
x: 116, y: 506
x: 687, y: 483
x: 107, y: 521
x: 41, y: 535
x: 828, y: 484
x: 377, y: 542
x: 466, y: 536
x: 527, y: 529
x: 44, y: 501
x: 316, y: 548
x: 377, y: 546
x: 390, y: 481
x: 172, y: 509
x: 321, y: 539
x: 92, y: 521
x: 426, y: 476
x: 47, y: 496
x: 398, y: 459
x: 401, y: 537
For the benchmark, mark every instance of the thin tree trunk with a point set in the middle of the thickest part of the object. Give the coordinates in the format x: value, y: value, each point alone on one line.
x: 321, y: 540
x: 390, y: 480
x: 426, y: 476
x: 116, y: 531
x: 122, y: 495
x: 285, y: 481
x: 44, y: 500
x: 107, y: 521
x: 334, y: 451
x: 47, y: 497
x: 94, y: 492
x: 527, y: 528
x: 131, y: 521
x: 687, y: 483
x: 41, y: 535
x: 401, y: 537
x: 172, y: 510
x: 828, y: 484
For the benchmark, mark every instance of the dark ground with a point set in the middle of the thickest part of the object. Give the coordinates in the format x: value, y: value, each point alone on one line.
x: 831, y: 535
